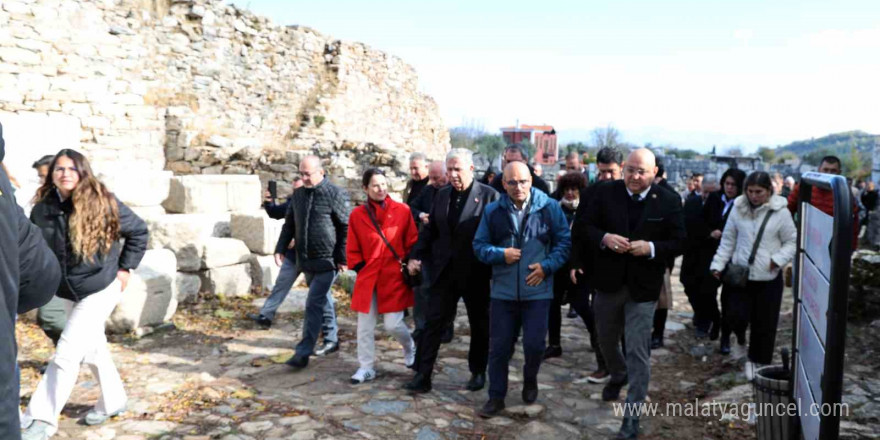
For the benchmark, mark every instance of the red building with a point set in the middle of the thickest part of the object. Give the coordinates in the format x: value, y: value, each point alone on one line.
x: 543, y: 137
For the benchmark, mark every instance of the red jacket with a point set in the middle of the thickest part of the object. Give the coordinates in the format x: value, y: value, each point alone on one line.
x: 376, y: 266
x: 823, y: 200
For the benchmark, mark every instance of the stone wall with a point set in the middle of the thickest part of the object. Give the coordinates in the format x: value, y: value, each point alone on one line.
x: 201, y: 87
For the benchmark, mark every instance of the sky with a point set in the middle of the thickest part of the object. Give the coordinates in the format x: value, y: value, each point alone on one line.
x: 685, y: 73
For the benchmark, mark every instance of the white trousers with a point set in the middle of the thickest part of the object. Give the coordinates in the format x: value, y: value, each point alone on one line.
x: 82, y: 341
x: 394, y: 325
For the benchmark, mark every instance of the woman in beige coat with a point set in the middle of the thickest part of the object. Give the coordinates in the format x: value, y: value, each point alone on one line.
x: 757, y: 304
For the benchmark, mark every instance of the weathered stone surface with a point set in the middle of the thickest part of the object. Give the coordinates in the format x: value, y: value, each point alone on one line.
x: 229, y: 280
x: 149, y: 298
x: 264, y: 271
x: 258, y: 231
x: 219, y: 252
x: 183, y: 233
x: 148, y: 212
x: 213, y: 194
x: 144, y: 188
x: 187, y: 286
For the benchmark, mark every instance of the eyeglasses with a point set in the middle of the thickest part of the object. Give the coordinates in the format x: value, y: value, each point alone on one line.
x: 523, y: 182
x: 60, y: 170
x: 639, y: 171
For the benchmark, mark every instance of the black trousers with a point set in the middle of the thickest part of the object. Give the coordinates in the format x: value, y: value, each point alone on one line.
x: 579, y: 298
x: 442, y: 303
x: 706, y: 312
x: 757, y: 305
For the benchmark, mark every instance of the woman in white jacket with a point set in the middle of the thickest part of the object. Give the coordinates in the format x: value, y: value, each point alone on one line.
x: 757, y: 305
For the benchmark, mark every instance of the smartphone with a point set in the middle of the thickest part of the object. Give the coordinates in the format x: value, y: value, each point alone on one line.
x: 273, y: 189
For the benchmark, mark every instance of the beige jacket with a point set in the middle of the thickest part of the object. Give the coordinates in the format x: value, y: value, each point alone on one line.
x: 777, y: 245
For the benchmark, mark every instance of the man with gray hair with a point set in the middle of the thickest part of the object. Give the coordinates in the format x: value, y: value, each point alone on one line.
x: 317, y: 221
x: 453, y: 272
x: 418, y: 172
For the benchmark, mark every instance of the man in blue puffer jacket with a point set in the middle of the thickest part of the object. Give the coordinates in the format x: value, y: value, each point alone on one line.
x: 525, y: 238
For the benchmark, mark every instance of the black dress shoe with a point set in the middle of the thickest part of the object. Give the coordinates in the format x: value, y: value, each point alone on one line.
x: 491, y: 408
x: 261, y: 320
x: 611, y: 392
x: 656, y: 342
x: 741, y: 337
x: 530, y: 392
x: 629, y: 429
x: 701, y: 334
x: 327, y: 348
x: 477, y: 382
x: 419, y: 384
x: 552, y: 351
x: 298, y: 362
x: 572, y: 313
x: 448, y: 334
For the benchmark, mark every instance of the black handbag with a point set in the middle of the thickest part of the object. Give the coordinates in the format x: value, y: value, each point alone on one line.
x: 409, y: 280
x: 737, y: 275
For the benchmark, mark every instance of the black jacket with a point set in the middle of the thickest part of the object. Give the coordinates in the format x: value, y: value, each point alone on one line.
x: 661, y: 223
x: 537, y: 182
x: 439, y: 248
x: 318, y: 219
x: 276, y: 211
x: 29, y: 276
x: 81, y: 278
x: 423, y: 202
x: 696, y: 235
x: 414, y: 189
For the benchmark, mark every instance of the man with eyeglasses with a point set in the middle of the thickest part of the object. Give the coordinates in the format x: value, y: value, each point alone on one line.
x: 517, y: 153
x: 636, y: 227
x: 524, y: 236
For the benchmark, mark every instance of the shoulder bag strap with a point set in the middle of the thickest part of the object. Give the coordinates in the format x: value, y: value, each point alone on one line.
x: 381, y: 235
x: 758, y: 238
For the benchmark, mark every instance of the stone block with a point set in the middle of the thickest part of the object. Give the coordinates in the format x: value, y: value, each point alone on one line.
x: 184, y: 234
x: 258, y: 231
x: 146, y: 212
x: 149, y: 299
x: 219, y: 252
x: 213, y: 194
x: 228, y: 280
x: 187, y: 286
x: 138, y: 188
x: 264, y: 272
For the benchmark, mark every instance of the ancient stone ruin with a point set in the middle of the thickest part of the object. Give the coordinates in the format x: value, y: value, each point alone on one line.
x: 186, y: 110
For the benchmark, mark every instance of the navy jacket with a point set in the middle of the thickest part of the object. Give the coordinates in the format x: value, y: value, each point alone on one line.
x: 544, y: 237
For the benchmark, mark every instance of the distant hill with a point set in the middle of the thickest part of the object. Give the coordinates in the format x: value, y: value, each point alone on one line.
x: 837, y: 143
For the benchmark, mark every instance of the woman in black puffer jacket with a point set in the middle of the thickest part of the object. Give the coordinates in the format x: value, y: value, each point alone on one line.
x: 83, y: 222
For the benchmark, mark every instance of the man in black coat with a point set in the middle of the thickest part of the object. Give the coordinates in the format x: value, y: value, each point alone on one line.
x: 609, y: 161
x: 418, y: 171
x: 445, y: 247
x: 516, y: 153
x: 691, y: 274
x: 29, y: 277
x: 317, y: 221
x: 421, y: 209
x: 637, y: 228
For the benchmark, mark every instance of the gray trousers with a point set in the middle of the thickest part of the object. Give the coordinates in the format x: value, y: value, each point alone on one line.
x: 612, y: 310
x: 52, y: 318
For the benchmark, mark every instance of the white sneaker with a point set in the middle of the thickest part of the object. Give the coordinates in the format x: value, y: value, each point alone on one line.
x: 363, y: 375
x: 38, y: 430
x: 409, y: 357
x: 752, y: 419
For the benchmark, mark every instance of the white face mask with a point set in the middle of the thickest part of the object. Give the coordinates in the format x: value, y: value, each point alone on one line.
x: 573, y: 204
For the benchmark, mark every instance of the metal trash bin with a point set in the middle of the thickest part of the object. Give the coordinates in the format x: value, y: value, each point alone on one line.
x: 772, y: 386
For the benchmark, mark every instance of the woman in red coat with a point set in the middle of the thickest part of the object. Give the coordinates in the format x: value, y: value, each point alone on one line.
x: 379, y: 288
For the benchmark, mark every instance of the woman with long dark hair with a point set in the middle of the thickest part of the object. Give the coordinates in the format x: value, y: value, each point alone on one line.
x: 83, y: 222
x: 381, y: 233
x: 719, y: 204
x: 760, y: 235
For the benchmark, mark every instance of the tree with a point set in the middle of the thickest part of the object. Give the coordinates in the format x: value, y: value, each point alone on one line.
x: 465, y: 135
x: 767, y: 154
x: 489, y: 145
x: 575, y: 147
x: 530, y: 148
x: 606, y: 137
x: 786, y: 156
x: 855, y: 164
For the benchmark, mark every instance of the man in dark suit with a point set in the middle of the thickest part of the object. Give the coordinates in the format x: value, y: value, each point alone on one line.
x: 637, y: 228
x: 446, y: 248
x: 692, y: 274
x: 516, y: 153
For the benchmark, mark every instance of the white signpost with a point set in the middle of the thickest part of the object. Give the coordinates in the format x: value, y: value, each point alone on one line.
x: 821, y: 283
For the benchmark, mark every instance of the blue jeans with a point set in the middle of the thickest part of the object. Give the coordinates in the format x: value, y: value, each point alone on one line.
x: 319, y: 309
x: 503, y: 318
x: 286, y: 277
